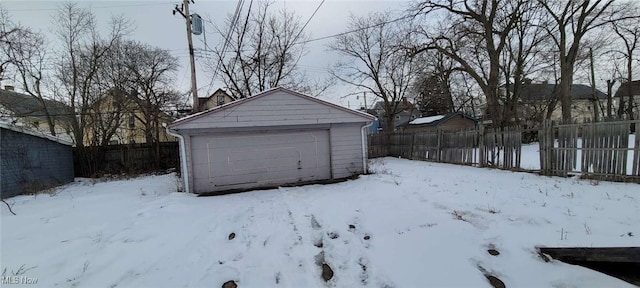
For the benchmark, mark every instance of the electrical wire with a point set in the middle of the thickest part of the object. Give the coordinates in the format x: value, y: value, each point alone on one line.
x: 308, y: 20
x: 234, y: 22
x: 96, y: 7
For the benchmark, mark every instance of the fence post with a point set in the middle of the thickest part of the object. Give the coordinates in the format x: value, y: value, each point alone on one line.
x: 481, y: 156
x: 439, y: 147
x: 413, y: 138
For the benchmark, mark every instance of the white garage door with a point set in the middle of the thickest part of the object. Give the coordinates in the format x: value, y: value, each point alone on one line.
x: 236, y: 161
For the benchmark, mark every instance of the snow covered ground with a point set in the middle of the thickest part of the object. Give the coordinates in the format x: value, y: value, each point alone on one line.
x: 411, y: 224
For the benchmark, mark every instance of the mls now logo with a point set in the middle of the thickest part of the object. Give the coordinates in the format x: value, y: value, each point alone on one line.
x: 8, y: 280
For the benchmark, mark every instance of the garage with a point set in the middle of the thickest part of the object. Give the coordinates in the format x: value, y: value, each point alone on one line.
x: 277, y: 137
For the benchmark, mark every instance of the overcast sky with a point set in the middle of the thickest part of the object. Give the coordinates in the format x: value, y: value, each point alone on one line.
x: 155, y: 25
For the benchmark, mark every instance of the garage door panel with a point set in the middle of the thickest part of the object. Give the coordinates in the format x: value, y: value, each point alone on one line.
x: 250, y: 160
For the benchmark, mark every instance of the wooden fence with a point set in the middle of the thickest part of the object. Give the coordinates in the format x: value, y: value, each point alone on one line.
x: 600, y: 150
x: 126, y: 158
x: 483, y: 147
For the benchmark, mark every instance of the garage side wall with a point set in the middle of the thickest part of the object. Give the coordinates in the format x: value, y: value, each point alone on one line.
x: 346, y: 150
x: 29, y: 164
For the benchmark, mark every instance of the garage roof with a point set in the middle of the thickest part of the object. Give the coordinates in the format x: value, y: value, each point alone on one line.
x: 274, y: 107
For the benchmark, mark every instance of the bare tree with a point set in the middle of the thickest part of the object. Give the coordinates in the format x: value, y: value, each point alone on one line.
x: 522, y: 58
x: 628, y: 32
x: 474, y: 35
x: 433, y: 84
x: 80, y: 57
x: 7, y: 27
x: 572, y: 20
x: 153, y: 72
x: 376, y: 62
x: 263, y: 51
x: 109, y: 111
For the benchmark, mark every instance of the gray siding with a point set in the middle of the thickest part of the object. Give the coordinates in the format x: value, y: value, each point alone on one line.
x: 279, y: 108
x: 29, y: 163
x: 346, y: 150
x: 268, y: 158
x: 276, y: 137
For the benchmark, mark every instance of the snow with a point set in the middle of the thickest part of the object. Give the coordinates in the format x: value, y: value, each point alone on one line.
x: 425, y: 120
x: 429, y: 225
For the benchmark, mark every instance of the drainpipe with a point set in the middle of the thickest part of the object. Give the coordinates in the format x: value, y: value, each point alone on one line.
x: 183, y: 157
x: 364, y: 145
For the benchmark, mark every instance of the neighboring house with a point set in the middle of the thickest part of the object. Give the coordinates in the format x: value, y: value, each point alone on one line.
x: 114, y: 108
x: 218, y: 98
x: 407, y: 111
x: 27, y: 111
x: 449, y: 122
x: 536, y: 98
x: 277, y: 137
x: 31, y: 161
x: 623, y: 91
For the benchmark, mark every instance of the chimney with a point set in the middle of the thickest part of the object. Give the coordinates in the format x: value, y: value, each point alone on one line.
x: 8, y: 87
x: 405, y: 103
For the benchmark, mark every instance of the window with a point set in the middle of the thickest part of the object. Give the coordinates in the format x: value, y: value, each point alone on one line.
x: 132, y: 121
x: 220, y: 100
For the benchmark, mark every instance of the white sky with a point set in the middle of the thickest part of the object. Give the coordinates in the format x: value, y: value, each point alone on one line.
x: 155, y: 25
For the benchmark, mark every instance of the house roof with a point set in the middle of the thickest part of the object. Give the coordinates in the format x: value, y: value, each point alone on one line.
x: 26, y: 105
x: 623, y: 90
x: 27, y: 131
x: 543, y: 91
x: 426, y: 120
x: 203, y: 100
x: 438, y: 119
x: 227, y: 109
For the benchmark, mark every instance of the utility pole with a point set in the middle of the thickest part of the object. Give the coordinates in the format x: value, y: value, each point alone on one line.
x: 364, y: 95
x: 596, y: 101
x: 187, y: 17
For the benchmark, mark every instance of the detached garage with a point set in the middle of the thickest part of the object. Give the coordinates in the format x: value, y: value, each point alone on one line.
x: 277, y: 137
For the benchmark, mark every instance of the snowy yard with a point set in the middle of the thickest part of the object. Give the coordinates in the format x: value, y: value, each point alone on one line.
x: 412, y: 224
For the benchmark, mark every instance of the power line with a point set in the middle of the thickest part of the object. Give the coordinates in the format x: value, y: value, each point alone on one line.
x: 95, y: 7
x: 309, y: 20
x: 357, y: 30
x: 233, y: 24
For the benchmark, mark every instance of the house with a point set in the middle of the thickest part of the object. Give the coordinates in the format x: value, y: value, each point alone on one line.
x: 406, y: 112
x: 277, y: 137
x: 536, y: 98
x: 448, y: 122
x: 122, y: 117
x: 218, y: 98
x: 623, y: 91
x: 31, y: 161
x: 28, y: 111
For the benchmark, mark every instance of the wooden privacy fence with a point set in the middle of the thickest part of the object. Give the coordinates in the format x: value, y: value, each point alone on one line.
x: 127, y: 158
x: 602, y: 150
x: 484, y: 147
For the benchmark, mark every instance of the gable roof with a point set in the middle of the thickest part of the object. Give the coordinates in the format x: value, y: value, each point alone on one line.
x: 230, y: 114
x: 203, y: 100
x: 543, y: 91
x: 26, y: 105
x: 623, y: 90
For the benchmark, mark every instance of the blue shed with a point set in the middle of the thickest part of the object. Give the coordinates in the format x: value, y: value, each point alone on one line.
x: 31, y: 161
